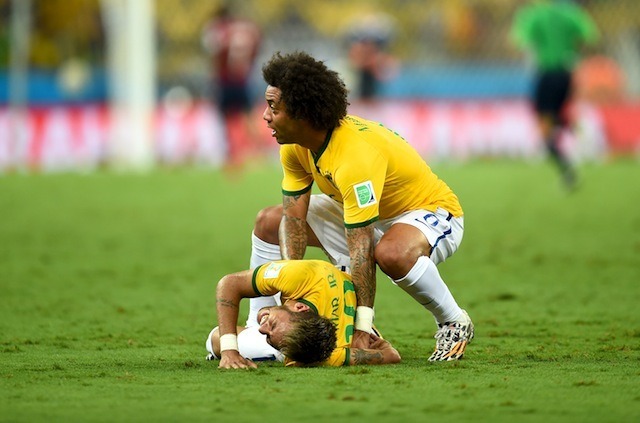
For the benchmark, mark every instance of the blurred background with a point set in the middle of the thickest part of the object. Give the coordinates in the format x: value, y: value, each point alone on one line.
x: 134, y: 84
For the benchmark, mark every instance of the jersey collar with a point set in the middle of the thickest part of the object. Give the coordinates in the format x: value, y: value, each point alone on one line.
x: 324, y: 146
x: 310, y: 304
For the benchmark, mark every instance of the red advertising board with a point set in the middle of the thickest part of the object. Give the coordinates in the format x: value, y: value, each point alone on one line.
x: 78, y: 137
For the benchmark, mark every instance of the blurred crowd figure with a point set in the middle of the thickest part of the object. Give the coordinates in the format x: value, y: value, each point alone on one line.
x: 233, y: 43
x: 368, y: 41
x: 600, y: 80
x: 555, y: 32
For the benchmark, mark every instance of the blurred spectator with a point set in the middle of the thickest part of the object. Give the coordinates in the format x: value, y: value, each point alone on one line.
x: 233, y: 44
x: 599, y: 80
x: 554, y: 32
x: 368, y: 42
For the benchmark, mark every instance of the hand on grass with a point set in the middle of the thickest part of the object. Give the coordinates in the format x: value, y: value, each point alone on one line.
x: 231, y: 359
x: 389, y: 352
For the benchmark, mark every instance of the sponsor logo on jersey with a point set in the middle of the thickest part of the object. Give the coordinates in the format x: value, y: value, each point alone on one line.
x: 364, y: 194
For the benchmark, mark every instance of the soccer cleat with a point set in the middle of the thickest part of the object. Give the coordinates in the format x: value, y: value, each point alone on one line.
x: 452, y: 339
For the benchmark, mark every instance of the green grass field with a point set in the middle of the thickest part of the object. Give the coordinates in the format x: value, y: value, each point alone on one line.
x: 107, y: 294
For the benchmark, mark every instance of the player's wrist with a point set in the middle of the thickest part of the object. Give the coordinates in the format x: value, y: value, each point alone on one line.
x: 364, y: 319
x: 228, y: 342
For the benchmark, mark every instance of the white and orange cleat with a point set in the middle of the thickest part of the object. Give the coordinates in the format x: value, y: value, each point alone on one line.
x: 452, y: 339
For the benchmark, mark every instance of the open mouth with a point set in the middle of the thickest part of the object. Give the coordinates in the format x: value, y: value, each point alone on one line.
x: 262, y: 315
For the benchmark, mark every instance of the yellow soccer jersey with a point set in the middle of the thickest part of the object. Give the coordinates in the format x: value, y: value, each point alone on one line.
x: 318, y: 284
x: 370, y: 169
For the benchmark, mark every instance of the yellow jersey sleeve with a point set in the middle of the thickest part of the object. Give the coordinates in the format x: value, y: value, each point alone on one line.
x: 297, y: 178
x: 296, y: 279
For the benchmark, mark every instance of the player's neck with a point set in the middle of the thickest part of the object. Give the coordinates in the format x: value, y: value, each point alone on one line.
x: 313, y: 139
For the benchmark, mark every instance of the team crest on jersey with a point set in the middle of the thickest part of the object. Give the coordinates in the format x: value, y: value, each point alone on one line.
x: 365, y: 194
x: 327, y: 176
x: 273, y: 270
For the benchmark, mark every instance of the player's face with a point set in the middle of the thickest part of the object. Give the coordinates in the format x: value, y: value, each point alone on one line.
x: 283, y: 128
x: 275, y: 322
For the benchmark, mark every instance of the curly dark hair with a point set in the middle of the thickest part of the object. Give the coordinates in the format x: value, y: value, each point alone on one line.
x: 310, y: 91
x: 312, y: 339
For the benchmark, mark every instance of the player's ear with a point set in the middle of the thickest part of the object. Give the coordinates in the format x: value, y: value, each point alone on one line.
x: 298, y: 307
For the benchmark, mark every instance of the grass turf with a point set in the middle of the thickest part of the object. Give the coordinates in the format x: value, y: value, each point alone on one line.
x: 107, y: 293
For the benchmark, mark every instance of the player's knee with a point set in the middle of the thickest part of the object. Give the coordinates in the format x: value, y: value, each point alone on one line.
x: 393, y: 259
x: 267, y: 224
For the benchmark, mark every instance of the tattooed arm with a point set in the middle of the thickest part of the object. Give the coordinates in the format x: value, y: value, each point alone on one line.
x: 230, y: 290
x: 363, y: 265
x: 363, y: 271
x: 293, y: 228
x: 379, y: 351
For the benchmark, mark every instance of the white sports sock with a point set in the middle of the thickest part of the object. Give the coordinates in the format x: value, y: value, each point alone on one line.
x: 261, y: 252
x: 424, y: 284
x: 208, y: 345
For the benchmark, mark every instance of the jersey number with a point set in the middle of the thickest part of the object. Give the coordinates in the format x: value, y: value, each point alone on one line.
x: 349, y: 307
x: 429, y: 219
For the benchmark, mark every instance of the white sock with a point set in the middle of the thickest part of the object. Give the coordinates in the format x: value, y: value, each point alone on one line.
x: 261, y: 252
x: 424, y: 284
x: 209, y: 345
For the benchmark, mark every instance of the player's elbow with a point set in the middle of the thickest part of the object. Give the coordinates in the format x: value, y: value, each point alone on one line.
x: 393, y: 357
x: 223, y: 286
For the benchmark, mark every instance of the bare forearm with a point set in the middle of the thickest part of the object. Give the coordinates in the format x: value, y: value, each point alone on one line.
x: 379, y: 351
x: 387, y: 355
x: 293, y: 227
x: 227, y: 306
x: 293, y: 238
x: 359, y: 356
x: 230, y: 290
x: 363, y: 266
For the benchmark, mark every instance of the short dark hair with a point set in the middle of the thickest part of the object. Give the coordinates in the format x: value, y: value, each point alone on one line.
x: 310, y: 91
x: 311, y: 340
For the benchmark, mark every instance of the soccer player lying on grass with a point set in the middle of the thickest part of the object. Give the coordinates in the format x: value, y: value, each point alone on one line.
x: 313, y: 326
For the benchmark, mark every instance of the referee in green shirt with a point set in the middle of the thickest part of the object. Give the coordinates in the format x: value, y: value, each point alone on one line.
x: 554, y: 32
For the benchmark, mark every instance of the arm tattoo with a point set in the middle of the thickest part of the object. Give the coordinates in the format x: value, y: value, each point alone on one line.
x: 293, y: 228
x: 226, y: 303
x: 293, y: 238
x: 289, y: 200
x: 363, y: 266
x: 367, y: 357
